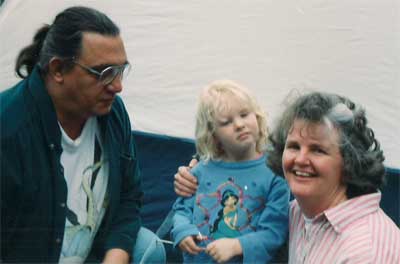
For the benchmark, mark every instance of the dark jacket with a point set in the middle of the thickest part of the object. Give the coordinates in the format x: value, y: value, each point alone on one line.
x: 33, y: 188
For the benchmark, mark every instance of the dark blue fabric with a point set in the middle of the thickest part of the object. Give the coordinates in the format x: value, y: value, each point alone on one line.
x: 390, y: 202
x: 159, y: 158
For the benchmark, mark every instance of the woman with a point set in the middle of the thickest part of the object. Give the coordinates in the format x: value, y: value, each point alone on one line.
x: 334, y: 167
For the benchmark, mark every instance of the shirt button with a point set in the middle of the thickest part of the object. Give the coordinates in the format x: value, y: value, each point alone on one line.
x: 51, y: 146
x: 62, y: 205
x: 58, y: 240
x: 62, y: 170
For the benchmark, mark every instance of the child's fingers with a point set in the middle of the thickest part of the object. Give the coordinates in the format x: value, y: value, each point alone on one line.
x: 201, y: 238
x: 210, y: 249
x: 188, y: 245
x: 195, y: 249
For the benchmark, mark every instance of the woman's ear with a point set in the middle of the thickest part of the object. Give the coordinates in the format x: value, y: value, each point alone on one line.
x: 56, y: 66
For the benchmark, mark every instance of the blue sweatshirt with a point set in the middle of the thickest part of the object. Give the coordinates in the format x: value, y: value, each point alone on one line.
x: 243, y: 200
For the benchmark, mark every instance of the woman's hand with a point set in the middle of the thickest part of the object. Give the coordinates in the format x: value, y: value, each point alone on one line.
x: 185, y: 184
x: 224, y: 249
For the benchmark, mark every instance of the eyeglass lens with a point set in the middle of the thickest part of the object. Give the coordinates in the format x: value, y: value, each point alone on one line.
x: 108, y: 75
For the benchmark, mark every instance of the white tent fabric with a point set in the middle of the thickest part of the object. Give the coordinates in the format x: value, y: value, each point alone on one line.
x: 274, y: 47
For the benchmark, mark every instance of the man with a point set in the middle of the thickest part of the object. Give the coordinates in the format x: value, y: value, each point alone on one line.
x: 70, y: 184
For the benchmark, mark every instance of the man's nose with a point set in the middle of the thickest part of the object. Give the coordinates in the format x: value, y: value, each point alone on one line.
x: 116, y: 85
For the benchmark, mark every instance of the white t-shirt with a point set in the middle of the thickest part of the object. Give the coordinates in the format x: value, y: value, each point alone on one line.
x: 86, y: 174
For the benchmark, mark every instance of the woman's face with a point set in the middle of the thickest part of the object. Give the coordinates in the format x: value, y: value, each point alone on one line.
x: 312, y: 164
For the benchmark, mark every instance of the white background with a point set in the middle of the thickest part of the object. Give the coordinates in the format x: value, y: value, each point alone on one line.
x: 351, y: 47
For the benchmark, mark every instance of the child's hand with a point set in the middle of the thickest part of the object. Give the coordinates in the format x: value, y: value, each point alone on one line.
x: 189, y: 245
x: 224, y: 249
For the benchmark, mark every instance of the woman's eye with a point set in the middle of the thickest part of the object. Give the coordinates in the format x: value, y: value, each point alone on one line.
x: 320, y: 151
x: 244, y: 114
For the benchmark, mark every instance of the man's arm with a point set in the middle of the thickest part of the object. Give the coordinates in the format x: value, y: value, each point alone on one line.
x: 8, y: 193
x: 126, y: 221
x: 185, y: 184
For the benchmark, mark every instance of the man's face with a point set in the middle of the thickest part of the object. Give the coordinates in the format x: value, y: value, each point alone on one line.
x: 85, y: 94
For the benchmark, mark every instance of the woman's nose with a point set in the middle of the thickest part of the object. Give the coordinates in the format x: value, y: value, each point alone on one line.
x: 302, y: 158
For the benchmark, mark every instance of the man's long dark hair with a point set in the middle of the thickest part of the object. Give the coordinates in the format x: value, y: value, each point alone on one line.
x: 63, y: 38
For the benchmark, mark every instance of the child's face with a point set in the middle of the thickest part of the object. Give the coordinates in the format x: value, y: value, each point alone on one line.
x: 237, y: 131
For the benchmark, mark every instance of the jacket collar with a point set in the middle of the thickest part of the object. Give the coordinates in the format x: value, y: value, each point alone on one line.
x: 44, y: 103
x: 47, y: 111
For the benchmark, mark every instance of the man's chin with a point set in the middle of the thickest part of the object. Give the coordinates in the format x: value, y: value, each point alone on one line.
x: 103, y: 109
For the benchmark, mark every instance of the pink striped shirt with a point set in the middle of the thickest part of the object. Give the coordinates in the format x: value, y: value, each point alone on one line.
x: 355, y: 231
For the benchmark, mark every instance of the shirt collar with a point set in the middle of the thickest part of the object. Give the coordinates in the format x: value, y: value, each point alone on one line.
x: 351, y: 210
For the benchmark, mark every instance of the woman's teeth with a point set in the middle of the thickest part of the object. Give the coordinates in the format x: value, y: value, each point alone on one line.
x: 303, y: 174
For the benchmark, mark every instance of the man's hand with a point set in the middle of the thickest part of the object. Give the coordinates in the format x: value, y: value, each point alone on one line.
x: 189, y: 245
x: 185, y: 184
x: 224, y: 249
x: 116, y: 256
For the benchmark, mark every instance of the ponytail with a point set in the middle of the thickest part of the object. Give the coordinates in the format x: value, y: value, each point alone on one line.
x: 63, y: 39
x: 30, y: 55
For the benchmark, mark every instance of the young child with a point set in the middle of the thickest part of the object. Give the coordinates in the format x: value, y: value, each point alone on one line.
x: 240, y: 210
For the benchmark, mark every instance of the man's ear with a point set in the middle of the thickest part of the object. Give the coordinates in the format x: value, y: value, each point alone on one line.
x: 56, y: 69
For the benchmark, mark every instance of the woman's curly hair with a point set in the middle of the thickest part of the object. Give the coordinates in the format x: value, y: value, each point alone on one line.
x: 363, y: 169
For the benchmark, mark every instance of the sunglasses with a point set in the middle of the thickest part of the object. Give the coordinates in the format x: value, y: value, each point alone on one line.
x: 109, y: 74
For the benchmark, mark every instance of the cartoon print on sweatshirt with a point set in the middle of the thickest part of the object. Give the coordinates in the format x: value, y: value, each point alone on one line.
x: 226, y: 223
x: 228, y: 210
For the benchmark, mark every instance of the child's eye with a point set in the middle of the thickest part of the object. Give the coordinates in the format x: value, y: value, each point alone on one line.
x: 224, y: 123
x: 292, y: 146
x: 244, y: 114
